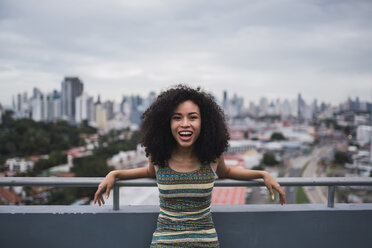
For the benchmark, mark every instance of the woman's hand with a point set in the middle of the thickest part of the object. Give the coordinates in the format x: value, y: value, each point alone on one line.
x: 270, y: 184
x: 106, y: 184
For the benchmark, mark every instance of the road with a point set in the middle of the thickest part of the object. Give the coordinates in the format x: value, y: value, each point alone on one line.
x: 294, y: 168
x: 315, y: 194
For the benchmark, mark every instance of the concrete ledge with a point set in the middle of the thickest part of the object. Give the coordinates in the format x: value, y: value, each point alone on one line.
x: 292, y: 225
x: 58, y: 209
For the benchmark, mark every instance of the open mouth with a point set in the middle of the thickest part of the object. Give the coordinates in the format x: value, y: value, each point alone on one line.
x: 185, y: 135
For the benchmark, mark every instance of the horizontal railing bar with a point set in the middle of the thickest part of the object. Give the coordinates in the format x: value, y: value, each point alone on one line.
x: 149, y: 182
x: 51, y: 181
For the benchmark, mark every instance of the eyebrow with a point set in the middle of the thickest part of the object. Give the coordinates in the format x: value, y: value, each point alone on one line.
x: 191, y: 113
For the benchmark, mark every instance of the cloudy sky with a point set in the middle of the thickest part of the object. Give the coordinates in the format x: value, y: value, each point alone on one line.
x: 277, y: 49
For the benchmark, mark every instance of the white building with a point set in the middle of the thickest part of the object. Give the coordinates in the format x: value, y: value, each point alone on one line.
x: 285, y: 109
x: 100, y: 116
x: 37, y: 108
x: 19, y: 165
x: 57, y: 114
x: 238, y: 146
x: 81, y: 110
x: 363, y: 135
x: 119, y: 121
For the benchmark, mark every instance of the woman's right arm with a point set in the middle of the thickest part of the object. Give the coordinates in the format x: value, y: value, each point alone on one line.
x: 108, y: 182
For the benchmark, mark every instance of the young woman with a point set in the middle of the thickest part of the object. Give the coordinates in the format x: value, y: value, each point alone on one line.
x: 184, y: 133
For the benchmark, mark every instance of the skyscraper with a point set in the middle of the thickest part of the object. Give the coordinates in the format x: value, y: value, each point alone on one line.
x: 82, y: 108
x: 109, y: 106
x: 72, y: 87
x: 301, y: 108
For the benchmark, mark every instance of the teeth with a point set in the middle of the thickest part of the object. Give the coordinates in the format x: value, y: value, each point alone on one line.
x: 185, y: 133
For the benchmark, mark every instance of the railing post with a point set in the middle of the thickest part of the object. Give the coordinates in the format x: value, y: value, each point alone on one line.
x: 116, y: 196
x: 331, y: 196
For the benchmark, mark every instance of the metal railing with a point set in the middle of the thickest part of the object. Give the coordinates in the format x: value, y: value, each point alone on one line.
x: 330, y: 182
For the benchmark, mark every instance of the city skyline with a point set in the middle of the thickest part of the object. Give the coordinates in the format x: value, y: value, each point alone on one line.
x: 273, y: 49
x: 220, y: 97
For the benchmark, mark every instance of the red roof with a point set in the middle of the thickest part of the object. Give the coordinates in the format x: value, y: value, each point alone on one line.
x: 229, y: 195
x: 66, y: 174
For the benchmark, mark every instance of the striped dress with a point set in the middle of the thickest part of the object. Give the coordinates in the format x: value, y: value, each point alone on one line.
x: 185, y: 218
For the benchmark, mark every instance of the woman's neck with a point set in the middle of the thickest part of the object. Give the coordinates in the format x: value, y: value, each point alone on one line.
x: 183, y: 153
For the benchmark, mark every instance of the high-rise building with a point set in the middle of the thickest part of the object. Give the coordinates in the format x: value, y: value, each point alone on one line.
x: 78, y: 109
x: 252, y: 109
x: 135, y: 112
x: 72, y: 87
x: 301, y: 108
x: 125, y: 106
x: 285, y: 110
x: 37, y: 108
x: 36, y: 93
x: 20, y: 106
x: 264, y: 104
x: 101, y: 116
x: 1, y: 113
x: 151, y: 98
x: 19, y: 103
x: 109, y: 106
x: 224, y: 100
x: 91, y: 111
x: 82, y: 107
x: 57, y: 114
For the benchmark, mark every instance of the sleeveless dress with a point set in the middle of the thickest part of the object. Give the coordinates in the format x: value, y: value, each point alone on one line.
x: 185, y: 218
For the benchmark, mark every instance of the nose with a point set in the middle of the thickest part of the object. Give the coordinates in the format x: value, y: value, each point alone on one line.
x: 185, y: 122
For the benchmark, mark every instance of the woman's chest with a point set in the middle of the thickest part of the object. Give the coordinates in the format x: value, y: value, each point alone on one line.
x: 168, y: 176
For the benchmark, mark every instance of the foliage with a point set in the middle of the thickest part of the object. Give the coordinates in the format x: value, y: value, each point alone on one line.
x: 90, y: 166
x: 62, y: 196
x: 277, y: 136
x: 331, y: 123
x: 269, y: 159
x: 57, y: 158
x: 25, y: 137
x: 301, y: 196
x: 258, y: 167
x: 342, y: 157
x: 85, y: 128
x: 110, y: 144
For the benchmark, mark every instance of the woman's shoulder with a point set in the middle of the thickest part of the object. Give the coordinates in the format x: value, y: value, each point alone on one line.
x: 217, y: 162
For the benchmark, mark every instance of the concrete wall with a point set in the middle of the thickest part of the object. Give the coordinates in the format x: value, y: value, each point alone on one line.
x: 259, y: 226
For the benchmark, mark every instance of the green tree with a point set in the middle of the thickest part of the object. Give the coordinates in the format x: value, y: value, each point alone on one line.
x: 277, y: 136
x: 42, y: 164
x: 25, y: 137
x: 85, y: 128
x: 57, y: 158
x: 258, y: 167
x: 269, y: 159
x: 91, y: 166
x: 341, y: 158
x: 62, y: 196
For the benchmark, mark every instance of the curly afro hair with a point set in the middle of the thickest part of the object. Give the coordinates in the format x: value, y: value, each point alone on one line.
x: 156, y: 135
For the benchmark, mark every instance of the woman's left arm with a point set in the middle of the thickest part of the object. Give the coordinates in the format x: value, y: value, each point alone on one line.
x: 224, y: 171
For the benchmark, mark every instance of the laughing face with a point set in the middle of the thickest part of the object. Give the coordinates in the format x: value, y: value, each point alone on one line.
x: 186, y: 123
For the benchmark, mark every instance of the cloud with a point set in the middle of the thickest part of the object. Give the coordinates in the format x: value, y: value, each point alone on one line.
x: 253, y: 48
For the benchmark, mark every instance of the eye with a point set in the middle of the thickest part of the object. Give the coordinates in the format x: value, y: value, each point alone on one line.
x: 176, y: 118
x: 194, y: 117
